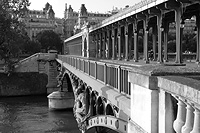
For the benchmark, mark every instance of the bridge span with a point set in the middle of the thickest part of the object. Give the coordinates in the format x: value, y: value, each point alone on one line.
x: 121, y: 97
x: 117, y: 88
x: 149, y: 93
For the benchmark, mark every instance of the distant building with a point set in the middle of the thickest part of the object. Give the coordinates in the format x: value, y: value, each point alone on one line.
x: 73, y: 21
x: 189, y: 26
x: 38, y: 20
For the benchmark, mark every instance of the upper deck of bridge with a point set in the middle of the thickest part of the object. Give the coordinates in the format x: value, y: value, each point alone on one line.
x: 129, y: 11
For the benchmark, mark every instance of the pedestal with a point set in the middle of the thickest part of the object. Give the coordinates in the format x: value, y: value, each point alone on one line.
x: 61, y: 100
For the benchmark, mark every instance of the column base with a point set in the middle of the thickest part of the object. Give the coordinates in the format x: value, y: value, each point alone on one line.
x: 146, y: 61
x: 159, y: 62
x: 166, y: 61
x: 126, y: 59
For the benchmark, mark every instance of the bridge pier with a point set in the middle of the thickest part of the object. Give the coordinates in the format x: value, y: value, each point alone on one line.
x: 166, y: 116
x: 64, y: 97
x: 60, y: 100
x: 52, y: 72
x: 144, y: 103
x: 145, y: 97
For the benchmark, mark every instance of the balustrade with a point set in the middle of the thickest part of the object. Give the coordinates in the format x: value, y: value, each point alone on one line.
x: 189, y: 119
x: 196, y: 126
x: 187, y: 115
x: 181, y: 114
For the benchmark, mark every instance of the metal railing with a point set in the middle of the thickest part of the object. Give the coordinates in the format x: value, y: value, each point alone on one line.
x: 113, y: 75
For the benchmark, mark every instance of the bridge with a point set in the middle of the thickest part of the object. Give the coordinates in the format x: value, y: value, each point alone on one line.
x: 117, y: 92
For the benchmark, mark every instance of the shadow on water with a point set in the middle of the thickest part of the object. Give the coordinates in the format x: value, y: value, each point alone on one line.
x: 31, y: 114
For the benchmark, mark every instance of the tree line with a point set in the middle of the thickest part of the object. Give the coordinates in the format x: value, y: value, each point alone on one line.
x: 14, y: 39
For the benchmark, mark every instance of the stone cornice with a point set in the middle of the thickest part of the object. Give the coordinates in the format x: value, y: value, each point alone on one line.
x: 184, y: 87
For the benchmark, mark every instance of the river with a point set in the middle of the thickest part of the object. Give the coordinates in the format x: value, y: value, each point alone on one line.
x: 30, y: 114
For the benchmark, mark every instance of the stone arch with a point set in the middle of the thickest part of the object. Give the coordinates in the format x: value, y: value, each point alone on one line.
x: 87, y: 99
x: 93, y: 104
x: 109, y: 110
x: 100, y: 108
x: 68, y: 83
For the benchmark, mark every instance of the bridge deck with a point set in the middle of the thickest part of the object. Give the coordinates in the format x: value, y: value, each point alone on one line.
x: 106, y: 91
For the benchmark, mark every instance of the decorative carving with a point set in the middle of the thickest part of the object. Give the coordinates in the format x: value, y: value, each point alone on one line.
x: 116, y: 108
x: 60, y: 78
x: 80, y: 103
x: 104, y: 99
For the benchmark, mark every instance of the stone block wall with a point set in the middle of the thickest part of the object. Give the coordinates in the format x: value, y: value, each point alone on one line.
x: 17, y: 84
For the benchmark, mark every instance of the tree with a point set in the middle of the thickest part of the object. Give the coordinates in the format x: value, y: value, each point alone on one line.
x: 189, y: 42
x: 32, y: 47
x: 49, y: 40
x: 11, y: 32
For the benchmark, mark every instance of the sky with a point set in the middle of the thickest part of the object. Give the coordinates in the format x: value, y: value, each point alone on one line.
x: 101, y: 6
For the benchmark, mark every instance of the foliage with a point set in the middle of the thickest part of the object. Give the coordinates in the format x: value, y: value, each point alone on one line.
x: 32, y: 47
x: 12, y: 31
x: 49, y: 40
x: 188, y: 42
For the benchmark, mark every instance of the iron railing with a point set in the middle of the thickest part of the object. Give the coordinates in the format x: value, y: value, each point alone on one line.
x: 113, y: 75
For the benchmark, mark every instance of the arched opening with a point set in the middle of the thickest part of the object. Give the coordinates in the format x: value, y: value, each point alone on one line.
x: 100, y: 106
x: 85, y: 47
x: 93, y: 104
x: 67, y: 83
x: 109, y: 110
x: 87, y: 99
x: 101, y: 129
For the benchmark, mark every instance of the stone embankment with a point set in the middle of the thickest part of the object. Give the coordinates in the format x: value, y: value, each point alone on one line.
x: 18, y: 84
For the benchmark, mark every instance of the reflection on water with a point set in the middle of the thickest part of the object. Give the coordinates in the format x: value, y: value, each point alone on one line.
x: 30, y: 114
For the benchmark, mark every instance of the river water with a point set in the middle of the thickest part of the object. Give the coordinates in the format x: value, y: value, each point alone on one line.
x: 30, y: 114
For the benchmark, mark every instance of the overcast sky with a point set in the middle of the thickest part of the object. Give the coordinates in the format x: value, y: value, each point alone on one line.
x: 101, y: 6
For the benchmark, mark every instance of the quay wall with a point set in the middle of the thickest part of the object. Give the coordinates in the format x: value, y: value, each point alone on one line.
x: 20, y: 84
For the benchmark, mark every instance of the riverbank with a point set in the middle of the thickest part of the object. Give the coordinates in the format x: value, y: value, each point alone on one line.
x: 21, y: 84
